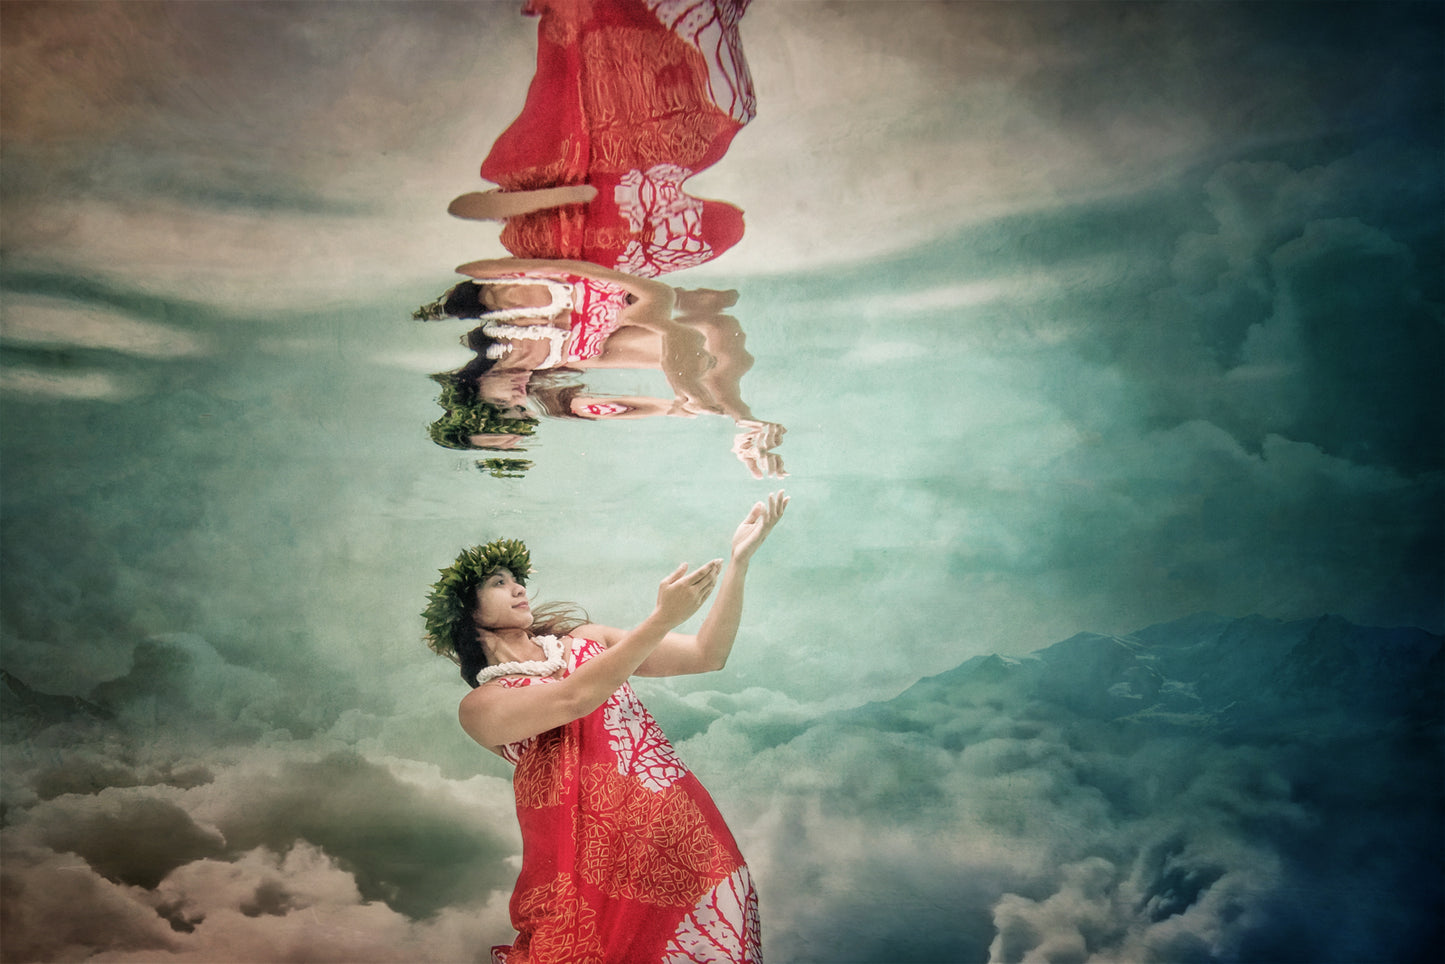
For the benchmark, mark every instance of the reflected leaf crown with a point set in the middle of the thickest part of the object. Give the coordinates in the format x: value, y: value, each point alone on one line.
x: 467, y: 415
x: 454, y: 594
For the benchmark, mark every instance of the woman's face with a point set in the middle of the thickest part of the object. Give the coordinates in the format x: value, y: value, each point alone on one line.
x: 502, y: 602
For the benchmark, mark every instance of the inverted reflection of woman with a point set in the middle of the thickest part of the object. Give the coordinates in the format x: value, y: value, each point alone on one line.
x: 625, y: 858
x: 571, y: 311
x: 630, y: 98
x: 539, y: 315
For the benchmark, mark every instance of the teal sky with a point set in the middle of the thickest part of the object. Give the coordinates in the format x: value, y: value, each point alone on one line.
x: 1080, y: 317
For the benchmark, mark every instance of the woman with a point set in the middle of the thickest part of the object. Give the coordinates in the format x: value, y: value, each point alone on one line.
x: 630, y: 98
x: 540, y: 315
x: 540, y: 318
x: 624, y: 857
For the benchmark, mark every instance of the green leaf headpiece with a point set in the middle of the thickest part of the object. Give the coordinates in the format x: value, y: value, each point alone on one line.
x: 432, y: 311
x: 454, y: 595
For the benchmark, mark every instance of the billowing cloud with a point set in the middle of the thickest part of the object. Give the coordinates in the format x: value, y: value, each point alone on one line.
x: 1050, y: 809
x: 58, y: 323
x: 275, y: 856
x: 1305, y: 313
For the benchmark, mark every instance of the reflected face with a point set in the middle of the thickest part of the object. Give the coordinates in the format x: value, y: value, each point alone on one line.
x: 504, y: 386
x: 502, y: 602
x: 494, y: 441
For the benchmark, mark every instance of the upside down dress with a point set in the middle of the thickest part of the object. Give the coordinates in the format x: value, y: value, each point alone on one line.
x: 632, y: 97
x: 625, y: 858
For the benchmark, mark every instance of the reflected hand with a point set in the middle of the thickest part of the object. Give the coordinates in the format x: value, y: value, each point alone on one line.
x: 755, y: 528
x: 681, y: 593
x: 754, y: 448
x: 704, y: 301
x: 691, y: 406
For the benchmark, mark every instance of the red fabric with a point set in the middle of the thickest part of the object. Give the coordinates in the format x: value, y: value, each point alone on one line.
x: 633, y: 97
x: 625, y: 858
x: 595, y: 314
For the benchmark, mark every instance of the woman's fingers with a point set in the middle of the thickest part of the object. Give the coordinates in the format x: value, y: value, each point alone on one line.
x: 707, y: 575
x: 675, y: 575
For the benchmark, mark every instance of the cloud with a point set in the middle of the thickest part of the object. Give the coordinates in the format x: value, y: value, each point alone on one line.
x: 127, y: 836
x: 296, y: 905
x: 998, y: 811
x: 43, y: 889
x: 1305, y: 312
x: 280, y: 855
x: 418, y: 851
x: 89, y: 387
x: 53, y: 322
x: 1044, y: 829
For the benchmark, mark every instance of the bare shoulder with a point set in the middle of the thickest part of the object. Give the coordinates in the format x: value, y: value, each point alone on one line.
x: 606, y: 635
x: 473, y: 712
x: 472, y: 701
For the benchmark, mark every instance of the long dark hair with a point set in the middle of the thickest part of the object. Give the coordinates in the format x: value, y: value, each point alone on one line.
x: 462, y: 300
x: 549, y: 619
x: 556, y: 399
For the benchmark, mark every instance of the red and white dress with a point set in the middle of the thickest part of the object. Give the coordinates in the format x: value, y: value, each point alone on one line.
x: 588, y: 310
x: 625, y: 858
x: 633, y: 97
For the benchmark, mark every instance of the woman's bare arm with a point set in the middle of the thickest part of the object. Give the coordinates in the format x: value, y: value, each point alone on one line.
x: 680, y: 654
x: 498, y: 205
x: 725, y: 342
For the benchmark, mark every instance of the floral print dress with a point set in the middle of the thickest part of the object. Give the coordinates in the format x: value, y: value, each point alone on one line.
x: 625, y: 858
x: 632, y: 97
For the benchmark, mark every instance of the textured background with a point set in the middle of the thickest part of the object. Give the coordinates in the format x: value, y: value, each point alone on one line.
x: 1081, y: 317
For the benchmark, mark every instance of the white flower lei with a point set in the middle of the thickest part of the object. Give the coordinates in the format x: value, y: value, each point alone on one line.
x: 551, y: 647
x: 558, y: 337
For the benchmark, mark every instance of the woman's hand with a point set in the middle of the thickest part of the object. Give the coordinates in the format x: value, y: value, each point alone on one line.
x: 757, y: 525
x: 680, y: 594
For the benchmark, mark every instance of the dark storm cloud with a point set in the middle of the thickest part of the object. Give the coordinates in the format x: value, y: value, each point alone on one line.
x: 127, y: 839
x: 1305, y: 310
x: 195, y: 868
x: 418, y: 853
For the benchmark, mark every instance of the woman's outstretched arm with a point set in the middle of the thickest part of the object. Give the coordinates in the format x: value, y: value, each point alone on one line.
x: 495, y: 715
x: 679, y: 654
